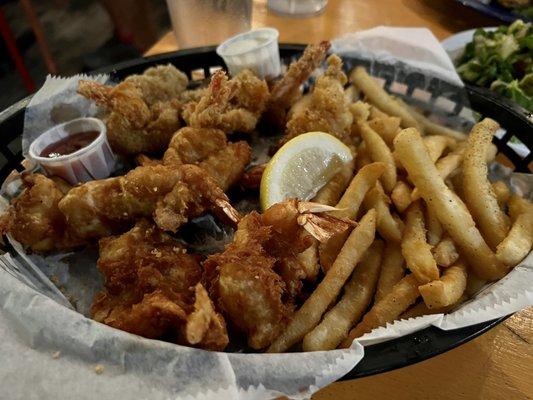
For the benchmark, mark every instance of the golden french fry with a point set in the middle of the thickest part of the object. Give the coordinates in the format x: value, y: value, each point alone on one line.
x: 430, y: 127
x: 348, y: 206
x: 421, y: 309
x: 517, y: 244
x: 450, y: 210
x: 447, y: 290
x: 363, y: 157
x: 437, y: 144
x: 434, y: 227
x: 445, y: 253
x: 446, y: 166
x: 308, y: 260
x: 401, y: 196
x: 386, y: 127
x: 377, y: 113
x: 387, y: 226
x: 474, y: 284
x: 502, y: 193
x: 518, y: 205
x: 379, y: 152
x: 389, y: 308
x: 415, y: 248
x: 351, y: 94
x: 332, y: 191
x: 309, y: 314
x: 379, y: 97
x: 392, y: 270
x: 360, y: 110
x: 357, y: 295
x: 479, y: 196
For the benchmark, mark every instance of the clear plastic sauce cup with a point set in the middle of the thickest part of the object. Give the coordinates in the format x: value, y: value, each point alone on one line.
x: 94, y: 161
x: 257, y: 50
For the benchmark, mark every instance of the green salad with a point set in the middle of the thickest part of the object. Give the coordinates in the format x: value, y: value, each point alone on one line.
x: 502, y: 60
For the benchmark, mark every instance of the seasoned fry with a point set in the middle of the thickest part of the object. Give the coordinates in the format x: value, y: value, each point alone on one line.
x: 386, y: 127
x: 445, y: 253
x: 389, y: 308
x: 401, y: 196
x: 348, y: 206
x: 447, y: 290
x: 449, y: 208
x: 378, y: 96
x: 501, y: 191
x: 379, y: 152
x: 437, y: 144
x: 415, y: 248
x: 309, y: 314
x: 387, y: 226
x: 434, y: 227
x: 392, y: 270
x: 357, y: 296
x: 479, y: 196
x: 377, y: 113
x: 332, y: 191
x: 421, y: 309
x: 363, y: 157
x: 517, y: 244
x: 430, y: 127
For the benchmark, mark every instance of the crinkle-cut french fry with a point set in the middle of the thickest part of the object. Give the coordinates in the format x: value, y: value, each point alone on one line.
x: 377, y: 113
x: 421, y: 309
x: 332, y: 191
x: 502, y: 193
x: 430, y: 127
x: 447, y: 290
x: 360, y: 110
x: 348, y: 207
x: 415, y: 248
x: 380, y: 98
x: 401, y: 196
x: 517, y: 244
x: 434, y: 227
x: 387, y: 226
x: 450, y: 210
x: 379, y: 152
x: 389, y: 308
x: 309, y: 314
x: 386, y: 127
x: 357, y: 295
x: 479, y: 196
x: 437, y: 144
x: 392, y: 270
x: 445, y: 252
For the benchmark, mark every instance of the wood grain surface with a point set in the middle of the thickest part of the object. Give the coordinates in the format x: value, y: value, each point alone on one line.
x: 498, y: 364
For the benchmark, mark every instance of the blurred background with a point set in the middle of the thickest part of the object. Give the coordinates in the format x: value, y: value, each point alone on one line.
x: 77, y: 36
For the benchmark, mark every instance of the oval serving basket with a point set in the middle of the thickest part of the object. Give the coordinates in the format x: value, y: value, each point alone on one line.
x: 450, y: 104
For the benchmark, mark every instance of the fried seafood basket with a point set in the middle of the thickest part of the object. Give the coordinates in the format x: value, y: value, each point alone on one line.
x: 445, y: 103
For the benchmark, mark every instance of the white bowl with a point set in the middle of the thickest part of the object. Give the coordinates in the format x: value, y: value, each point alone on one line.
x: 94, y: 161
x: 257, y: 50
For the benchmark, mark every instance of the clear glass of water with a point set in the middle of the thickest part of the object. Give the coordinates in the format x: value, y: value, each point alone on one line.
x: 208, y: 22
x: 297, y: 8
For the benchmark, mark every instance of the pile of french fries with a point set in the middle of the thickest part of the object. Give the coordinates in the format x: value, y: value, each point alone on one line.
x: 431, y: 228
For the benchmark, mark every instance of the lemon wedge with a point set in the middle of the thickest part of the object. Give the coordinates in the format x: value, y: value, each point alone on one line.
x: 301, y: 167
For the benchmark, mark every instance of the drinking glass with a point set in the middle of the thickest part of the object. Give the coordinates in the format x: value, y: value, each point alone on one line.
x: 297, y: 8
x: 207, y: 22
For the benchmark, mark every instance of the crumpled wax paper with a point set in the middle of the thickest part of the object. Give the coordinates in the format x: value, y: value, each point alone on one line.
x: 52, y: 350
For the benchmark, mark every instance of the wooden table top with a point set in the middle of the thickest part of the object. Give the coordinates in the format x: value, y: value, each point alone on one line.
x: 496, y: 365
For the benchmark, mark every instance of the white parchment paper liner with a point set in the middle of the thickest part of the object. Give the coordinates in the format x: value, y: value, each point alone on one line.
x: 37, y: 320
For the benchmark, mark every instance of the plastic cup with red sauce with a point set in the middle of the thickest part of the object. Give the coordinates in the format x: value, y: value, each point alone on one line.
x: 77, y: 151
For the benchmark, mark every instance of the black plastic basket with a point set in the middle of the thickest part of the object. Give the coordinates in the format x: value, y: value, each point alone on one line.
x: 201, y: 62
